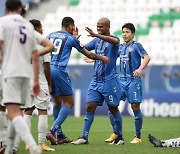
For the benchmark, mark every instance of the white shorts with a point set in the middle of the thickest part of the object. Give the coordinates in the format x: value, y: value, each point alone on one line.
x: 15, y: 90
x: 42, y: 100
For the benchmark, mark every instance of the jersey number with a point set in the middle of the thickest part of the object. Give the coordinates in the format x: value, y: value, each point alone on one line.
x: 23, y: 34
x: 57, y: 45
x: 135, y: 95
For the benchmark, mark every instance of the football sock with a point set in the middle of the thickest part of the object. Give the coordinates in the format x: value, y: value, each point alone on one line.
x: 89, y: 118
x: 42, y: 128
x: 60, y: 134
x: 118, y: 121
x: 27, y: 119
x: 23, y: 131
x: 111, y: 118
x: 11, y: 137
x: 138, y: 120
x: 56, y: 110
x: 64, y: 112
x: 16, y: 142
x: 3, y: 128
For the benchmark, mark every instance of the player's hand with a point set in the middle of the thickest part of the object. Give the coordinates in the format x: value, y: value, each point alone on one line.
x: 91, y: 33
x: 88, y: 60
x: 137, y: 73
x: 36, y: 88
x: 105, y: 59
x: 75, y: 33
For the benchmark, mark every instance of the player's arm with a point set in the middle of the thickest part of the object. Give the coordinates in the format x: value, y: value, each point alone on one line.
x: 48, y: 46
x: 47, y: 72
x: 145, y: 62
x: 87, y: 60
x: 109, y: 39
x: 1, y: 58
x: 35, y: 62
x: 94, y: 56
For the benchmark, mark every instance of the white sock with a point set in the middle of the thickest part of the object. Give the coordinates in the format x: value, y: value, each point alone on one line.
x: 3, y: 128
x: 27, y: 119
x: 23, y: 131
x: 16, y: 142
x: 11, y: 136
x: 42, y: 128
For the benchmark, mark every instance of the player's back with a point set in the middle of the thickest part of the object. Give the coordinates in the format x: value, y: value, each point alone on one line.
x: 18, y: 37
x: 63, y: 43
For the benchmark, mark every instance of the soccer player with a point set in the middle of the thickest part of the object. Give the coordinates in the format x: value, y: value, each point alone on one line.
x: 105, y: 85
x: 42, y: 101
x: 18, y: 46
x: 61, y: 85
x: 130, y: 53
x: 175, y: 142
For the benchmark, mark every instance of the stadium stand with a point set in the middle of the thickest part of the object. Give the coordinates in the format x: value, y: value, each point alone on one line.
x: 156, y: 23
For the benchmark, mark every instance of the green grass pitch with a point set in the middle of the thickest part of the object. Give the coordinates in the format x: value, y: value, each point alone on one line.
x: 162, y: 128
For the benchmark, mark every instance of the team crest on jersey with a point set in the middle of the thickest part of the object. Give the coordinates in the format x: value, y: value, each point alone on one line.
x: 130, y: 49
x: 114, y: 89
x: 106, y: 45
x: 138, y: 86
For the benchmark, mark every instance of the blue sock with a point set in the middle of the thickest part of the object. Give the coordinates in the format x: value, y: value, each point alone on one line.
x: 64, y: 112
x: 138, y: 120
x: 118, y: 121
x: 60, y: 134
x: 111, y: 118
x: 56, y: 110
x: 89, y: 118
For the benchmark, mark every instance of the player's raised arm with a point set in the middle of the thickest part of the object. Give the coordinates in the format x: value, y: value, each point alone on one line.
x: 107, y: 38
x: 94, y: 56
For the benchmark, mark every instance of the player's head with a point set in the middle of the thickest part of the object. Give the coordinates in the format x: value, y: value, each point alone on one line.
x: 103, y: 26
x: 37, y: 25
x: 68, y: 24
x: 128, y: 32
x: 13, y: 6
x: 23, y: 11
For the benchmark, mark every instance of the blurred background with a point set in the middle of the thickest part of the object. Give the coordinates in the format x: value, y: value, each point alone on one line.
x: 157, y: 25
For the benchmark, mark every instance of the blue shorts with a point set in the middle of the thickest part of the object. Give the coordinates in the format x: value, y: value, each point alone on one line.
x: 131, y: 89
x: 104, y: 92
x: 60, y: 82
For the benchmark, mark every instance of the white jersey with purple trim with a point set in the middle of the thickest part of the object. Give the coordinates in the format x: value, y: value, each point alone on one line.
x: 45, y: 58
x: 19, y: 41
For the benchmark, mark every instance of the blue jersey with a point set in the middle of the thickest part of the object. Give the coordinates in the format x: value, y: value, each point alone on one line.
x: 104, y: 72
x: 63, y: 43
x: 130, y: 58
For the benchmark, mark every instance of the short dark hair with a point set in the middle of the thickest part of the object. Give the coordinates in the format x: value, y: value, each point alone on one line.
x: 13, y: 5
x: 129, y: 26
x: 36, y: 23
x: 23, y: 11
x: 66, y: 21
